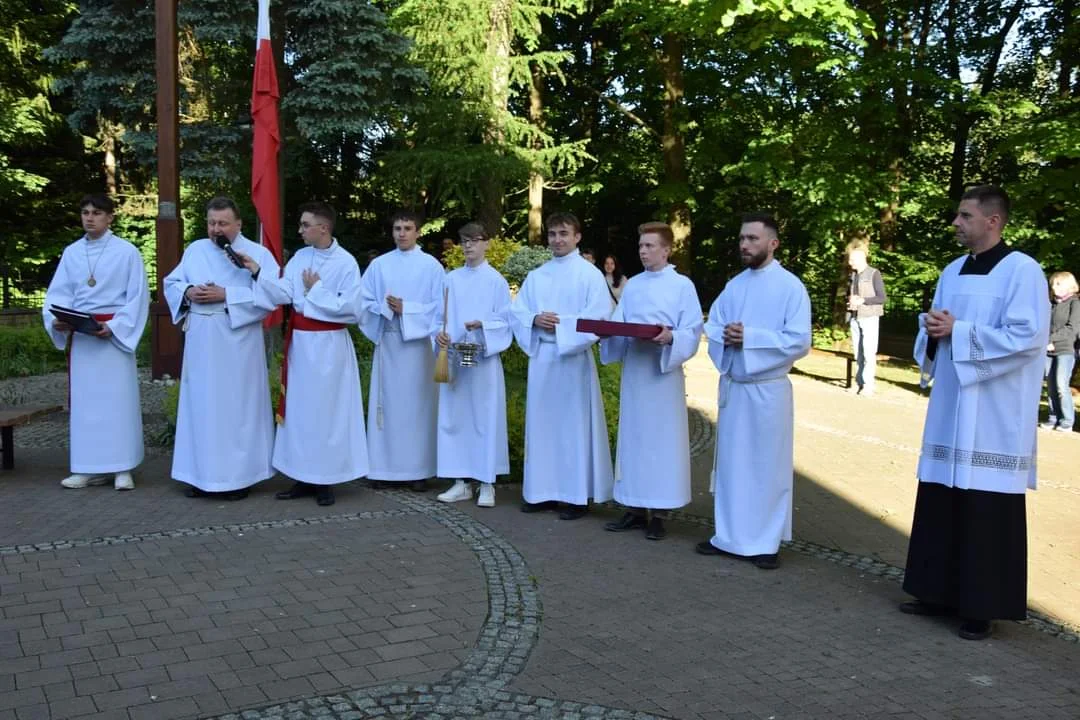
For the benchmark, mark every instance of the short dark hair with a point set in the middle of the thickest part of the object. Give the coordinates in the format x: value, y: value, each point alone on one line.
x: 765, y: 219
x: 658, y: 228
x: 404, y: 215
x: 990, y: 197
x: 473, y: 230
x: 320, y: 210
x: 563, y: 218
x: 98, y: 201
x: 223, y: 203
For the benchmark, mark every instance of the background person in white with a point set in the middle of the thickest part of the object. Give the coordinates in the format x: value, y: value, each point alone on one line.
x: 224, y: 425
x: 757, y: 328
x: 472, y: 406
x: 983, y: 343
x: 399, y: 295
x: 102, y: 275
x: 320, y: 440
x: 652, y: 459
x: 567, y: 456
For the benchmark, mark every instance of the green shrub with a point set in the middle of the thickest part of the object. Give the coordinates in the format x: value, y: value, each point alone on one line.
x: 499, y: 251
x: 28, y: 350
x: 522, y: 262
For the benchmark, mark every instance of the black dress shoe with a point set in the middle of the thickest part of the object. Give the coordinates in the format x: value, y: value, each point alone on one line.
x: 656, y: 530
x: 976, y: 629
x: 193, y: 492
x: 324, y: 495
x: 629, y: 521
x: 707, y: 548
x: 528, y: 507
x: 299, y: 489
x: 766, y: 562
x: 918, y: 607
x: 573, y: 512
x: 418, y: 486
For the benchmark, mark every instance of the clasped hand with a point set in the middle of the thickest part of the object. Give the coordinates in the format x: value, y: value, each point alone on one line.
x: 205, y: 294
x: 733, y: 334
x: 939, y: 323
x: 546, y: 321
x: 395, y: 304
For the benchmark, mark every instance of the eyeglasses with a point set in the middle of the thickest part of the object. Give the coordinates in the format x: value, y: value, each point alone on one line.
x: 470, y: 239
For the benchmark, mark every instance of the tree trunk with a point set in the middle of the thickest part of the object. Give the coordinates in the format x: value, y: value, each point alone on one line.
x: 109, y: 134
x: 536, y: 177
x: 499, y: 40
x: 673, y: 150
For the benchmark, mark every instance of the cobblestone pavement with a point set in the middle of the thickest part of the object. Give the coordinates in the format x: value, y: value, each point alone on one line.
x: 389, y: 604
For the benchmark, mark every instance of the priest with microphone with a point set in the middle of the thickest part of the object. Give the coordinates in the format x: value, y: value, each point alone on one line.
x: 224, y: 425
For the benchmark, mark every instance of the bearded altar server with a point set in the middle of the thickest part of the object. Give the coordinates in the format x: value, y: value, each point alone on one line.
x: 224, y: 425
x: 983, y: 344
x: 320, y: 440
x: 102, y: 275
x: 472, y: 442
x: 757, y: 328
x: 399, y: 295
x: 652, y: 458
x: 567, y: 455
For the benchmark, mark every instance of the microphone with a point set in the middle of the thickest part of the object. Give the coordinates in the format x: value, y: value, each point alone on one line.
x: 223, y: 243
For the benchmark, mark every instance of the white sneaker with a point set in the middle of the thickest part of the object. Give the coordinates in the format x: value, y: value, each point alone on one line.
x: 460, y: 491
x: 123, y: 481
x: 487, y: 495
x: 80, y: 480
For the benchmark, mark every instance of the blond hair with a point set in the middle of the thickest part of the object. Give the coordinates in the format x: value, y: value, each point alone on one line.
x: 1068, y: 278
x: 858, y: 245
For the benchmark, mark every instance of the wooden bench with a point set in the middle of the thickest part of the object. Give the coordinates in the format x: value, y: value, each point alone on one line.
x: 849, y: 356
x: 18, y: 415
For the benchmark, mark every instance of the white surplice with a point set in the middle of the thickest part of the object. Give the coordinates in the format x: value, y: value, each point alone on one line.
x: 753, y: 469
x: 567, y: 454
x: 403, y: 397
x: 224, y: 425
x: 984, y: 405
x: 652, y: 458
x: 322, y: 439
x: 106, y: 416
x: 472, y: 440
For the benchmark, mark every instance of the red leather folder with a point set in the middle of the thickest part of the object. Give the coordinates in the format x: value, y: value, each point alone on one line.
x: 606, y: 328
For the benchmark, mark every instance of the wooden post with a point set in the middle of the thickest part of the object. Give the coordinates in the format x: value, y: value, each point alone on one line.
x: 166, y: 337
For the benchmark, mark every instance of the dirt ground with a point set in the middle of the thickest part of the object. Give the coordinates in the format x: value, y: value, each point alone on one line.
x: 855, y: 461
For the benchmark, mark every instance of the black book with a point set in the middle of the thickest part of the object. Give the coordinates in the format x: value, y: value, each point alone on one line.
x: 81, y: 321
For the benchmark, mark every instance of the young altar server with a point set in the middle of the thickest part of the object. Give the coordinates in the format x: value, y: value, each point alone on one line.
x: 224, y: 425
x: 102, y: 275
x: 472, y: 441
x: 652, y: 458
x: 983, y: 343
x: 567, y: 455
x: 320, y: 440
x: 757, y: 328
x: 399, y: 295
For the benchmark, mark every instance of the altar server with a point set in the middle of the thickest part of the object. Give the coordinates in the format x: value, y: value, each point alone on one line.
x: 757, y: 328
x: 102, y: 275
x: 652, y: 459
x: 320, y: 440
x: 399, y: 295
x: 224, y: 425
x: 567, y: 455
x: 472, y: 441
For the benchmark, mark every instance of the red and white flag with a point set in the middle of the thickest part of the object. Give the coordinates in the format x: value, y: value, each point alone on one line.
x: 265, y: 183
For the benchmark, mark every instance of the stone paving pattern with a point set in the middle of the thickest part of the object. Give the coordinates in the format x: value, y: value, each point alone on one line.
x: 391, y: 605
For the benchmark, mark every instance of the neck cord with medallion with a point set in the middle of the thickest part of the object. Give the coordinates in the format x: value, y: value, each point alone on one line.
x: 91, y: 281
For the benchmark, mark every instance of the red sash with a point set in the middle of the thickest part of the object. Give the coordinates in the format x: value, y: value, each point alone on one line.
x: 297, y: 322
x: 103, y: 317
